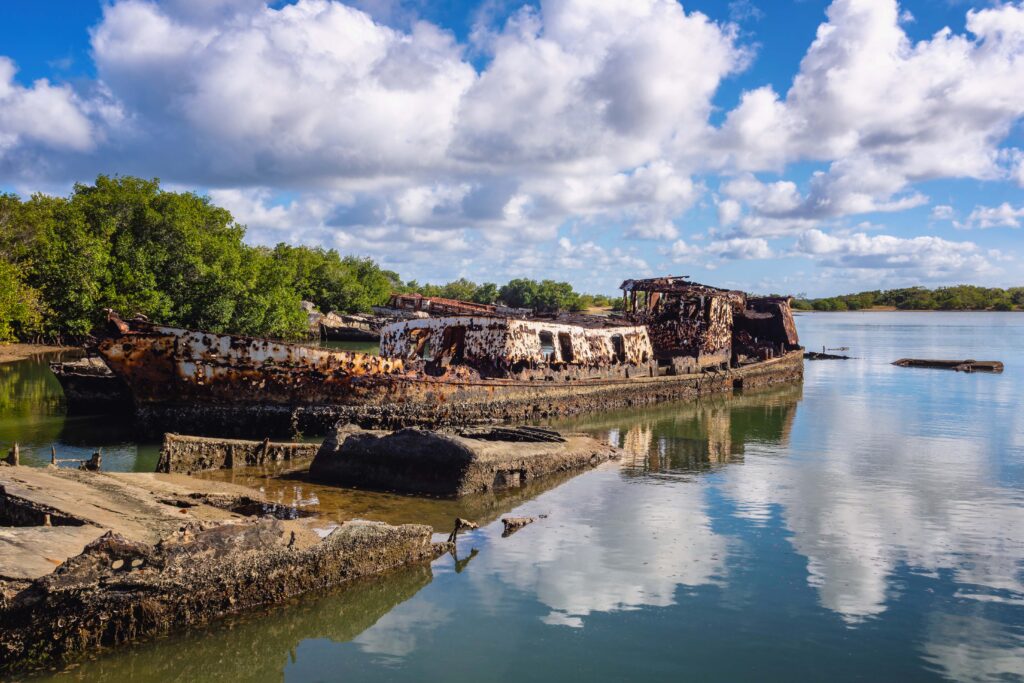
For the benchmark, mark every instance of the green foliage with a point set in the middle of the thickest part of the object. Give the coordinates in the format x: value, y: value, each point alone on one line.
x: 333, y: 283
x: 587, y: 301
x: 520, y: 293
x: 556, y: 296
x: 461, y: 289
x: 124, y: 243
x: 21, y: 312
x: 545, y: 295
x: 487, y: 293
x: 957, y: 298
x: 802, y: 305
x: 269, y: 303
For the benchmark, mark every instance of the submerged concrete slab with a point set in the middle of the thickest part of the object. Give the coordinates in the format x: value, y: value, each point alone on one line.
x: 89, y: 560
x: 28, y: 552
x: 189, y: 454
x: 450, y: 464
x: 141, y: 506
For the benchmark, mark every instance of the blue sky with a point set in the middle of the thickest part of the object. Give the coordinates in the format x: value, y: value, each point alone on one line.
x: 797, y: 146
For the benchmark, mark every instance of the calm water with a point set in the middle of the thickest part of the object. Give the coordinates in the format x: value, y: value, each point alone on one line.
x: 868, y: 525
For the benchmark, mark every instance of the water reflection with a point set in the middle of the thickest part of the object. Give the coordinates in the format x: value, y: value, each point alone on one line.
x: 883, y: 498
x: 685, y: 438
x: 972, y: 648
x: 33, y: 413
x: 31, y: 402
x: 606, y: 547
x: 291, y: 486
x: 867, y: 525
x: 259, y: 646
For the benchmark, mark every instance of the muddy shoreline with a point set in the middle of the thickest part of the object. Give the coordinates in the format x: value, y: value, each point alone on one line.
x: 10, y: 353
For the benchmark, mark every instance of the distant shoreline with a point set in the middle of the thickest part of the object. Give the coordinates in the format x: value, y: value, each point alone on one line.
x: 893, y: 309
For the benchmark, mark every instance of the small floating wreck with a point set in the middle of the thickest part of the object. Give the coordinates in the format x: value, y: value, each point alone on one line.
x: 676, y: 339
x: 957, y: 365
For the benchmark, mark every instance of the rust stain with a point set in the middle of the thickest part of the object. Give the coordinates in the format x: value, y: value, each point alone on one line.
x: 670, y: 327
x: 711, y: 326
x: 435, y: 305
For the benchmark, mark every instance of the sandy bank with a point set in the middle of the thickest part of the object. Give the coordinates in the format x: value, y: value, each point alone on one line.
x: 14, y: 352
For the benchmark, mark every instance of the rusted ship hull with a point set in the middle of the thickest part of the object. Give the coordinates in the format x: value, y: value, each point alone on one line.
x: 454, y: 404
x: 223, y: 385
x: 90, y: 387
x: 677, y: 340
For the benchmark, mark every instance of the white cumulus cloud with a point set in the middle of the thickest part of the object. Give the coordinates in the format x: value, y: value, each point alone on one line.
x: 45, y: 114
x: 925, y: 257
x: 1003, y: 216
x: 354, y: 125
x: 884, y: 111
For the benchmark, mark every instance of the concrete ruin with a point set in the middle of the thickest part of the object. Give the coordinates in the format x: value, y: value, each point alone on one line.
x: 191, y: 454
x: 93, y: 560
x: 452, y: 464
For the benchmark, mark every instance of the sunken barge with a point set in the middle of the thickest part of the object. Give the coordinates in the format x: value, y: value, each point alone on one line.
x: 675, y: 339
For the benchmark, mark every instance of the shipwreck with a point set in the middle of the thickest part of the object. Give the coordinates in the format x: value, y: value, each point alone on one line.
x: 360, y: 327
x: 674, y: 339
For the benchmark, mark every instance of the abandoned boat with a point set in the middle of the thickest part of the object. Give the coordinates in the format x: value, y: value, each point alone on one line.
x: 675, y: 339
x: 90, y: 387
x: 354, y: 327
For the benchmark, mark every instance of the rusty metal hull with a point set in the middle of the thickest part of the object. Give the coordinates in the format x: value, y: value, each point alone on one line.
x: 90, y: 387
x: 166, y: 364
x: 224, y: 385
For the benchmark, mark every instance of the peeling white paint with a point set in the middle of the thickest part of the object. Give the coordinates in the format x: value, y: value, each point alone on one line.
x: 512, y: 340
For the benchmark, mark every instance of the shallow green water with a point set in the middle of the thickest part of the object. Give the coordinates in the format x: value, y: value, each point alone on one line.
x: 867, y: 525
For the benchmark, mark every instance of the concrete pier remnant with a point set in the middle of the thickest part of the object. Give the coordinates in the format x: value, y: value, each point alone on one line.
x: 189, y: 454
x: 91, y: 559
x: 451, y: 463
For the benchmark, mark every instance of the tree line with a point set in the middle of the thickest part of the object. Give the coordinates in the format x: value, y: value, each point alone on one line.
x: 956, y: 298
x: 543, y: 295
x: 126, y: 244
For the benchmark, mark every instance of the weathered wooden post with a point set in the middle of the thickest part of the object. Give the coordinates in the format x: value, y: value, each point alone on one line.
x: 461, y: 524
x: 93, y: 463
x: 14, y: 455
x: 53, y: 455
